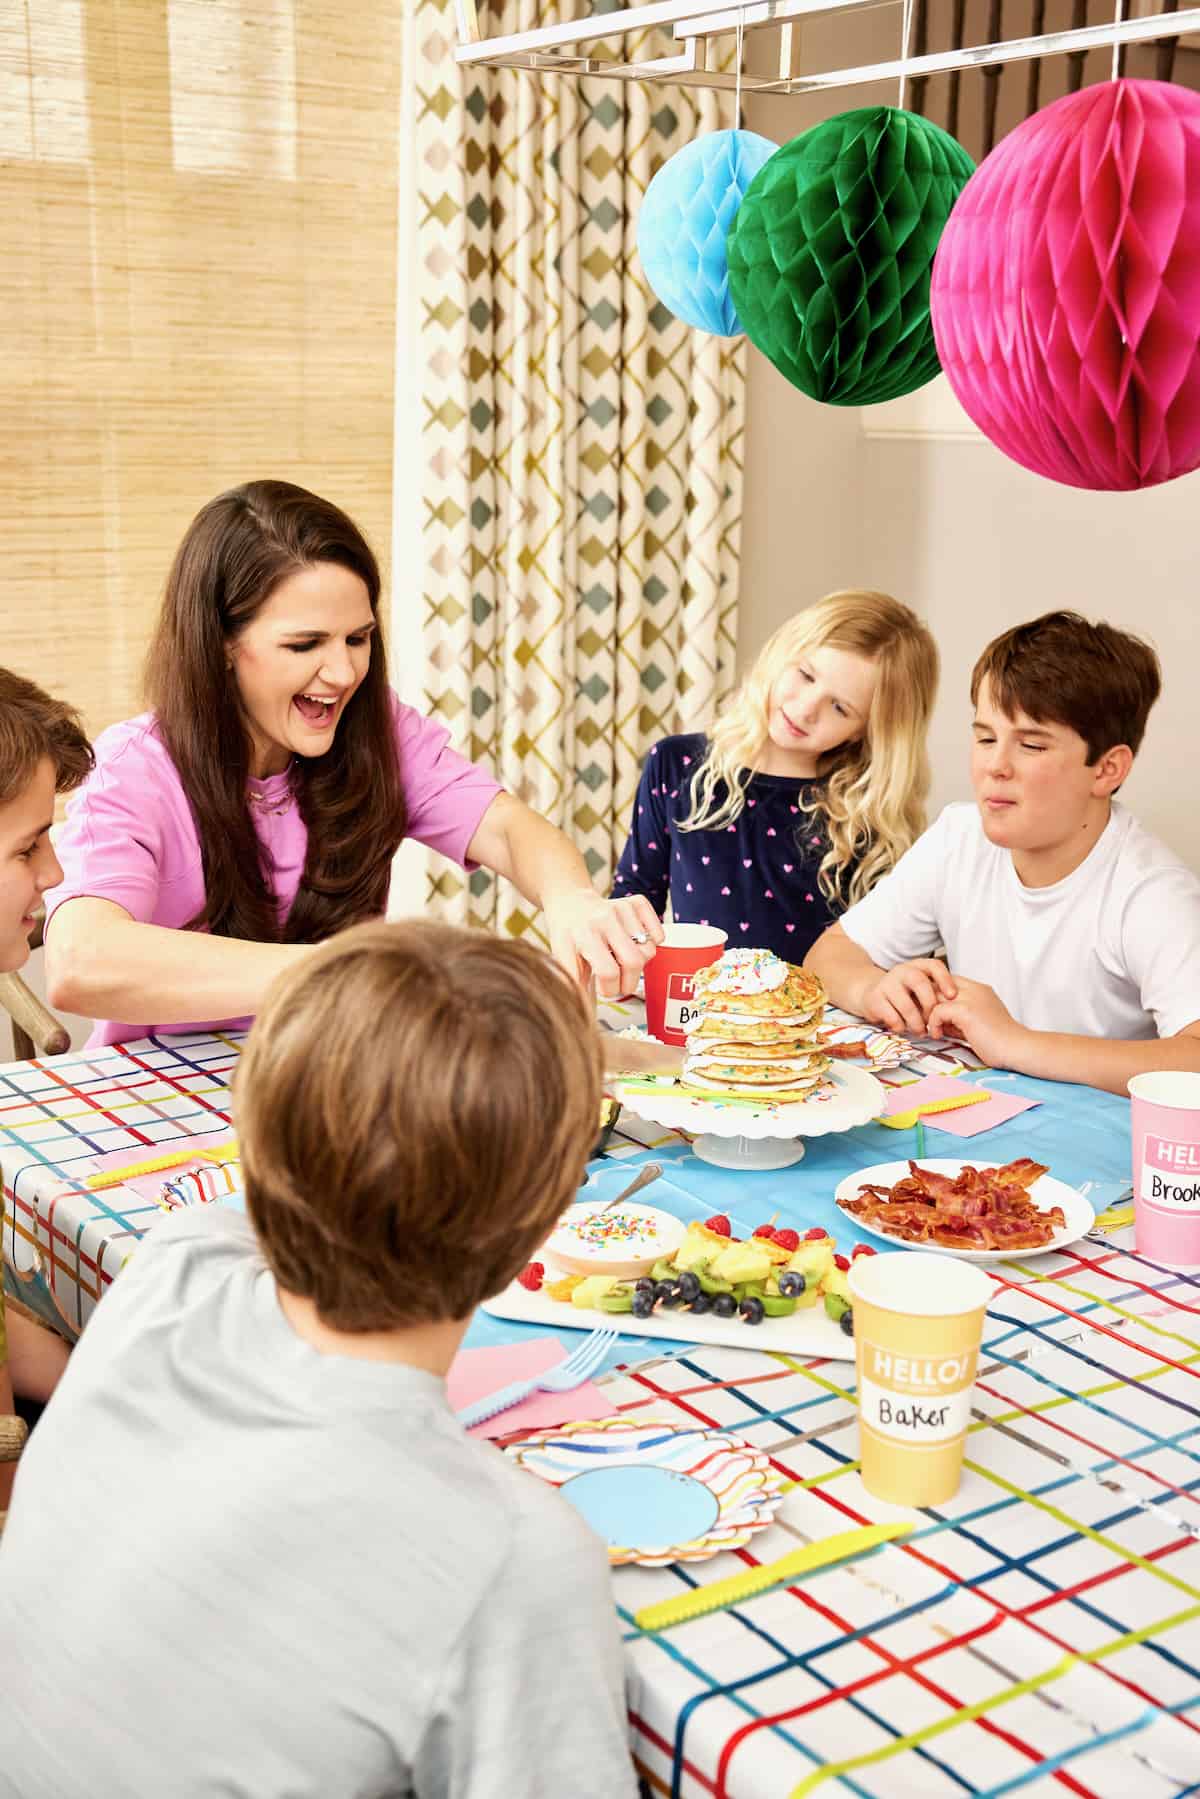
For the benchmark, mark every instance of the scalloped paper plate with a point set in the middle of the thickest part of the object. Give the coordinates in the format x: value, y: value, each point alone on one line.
x: 654, y: 1493
x: 864, y: 1042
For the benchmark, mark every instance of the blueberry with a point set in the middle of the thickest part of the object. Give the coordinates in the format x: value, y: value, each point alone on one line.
x: 643, y: 1303
x: 645, y: 1285
x: 702, y: 1301
x: 752, y: 1310
x: 724, y: 1305
x: 847, y: 1322
x: 689, y: 1287
x: 791, y: 1284
x: 664, y: 1290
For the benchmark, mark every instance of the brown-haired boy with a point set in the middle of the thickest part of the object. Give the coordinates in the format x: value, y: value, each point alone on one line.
x: 296, y: 1574
x: 43, y: 752
x: 1071, y: 935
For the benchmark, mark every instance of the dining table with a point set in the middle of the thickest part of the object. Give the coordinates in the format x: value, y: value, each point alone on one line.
x: 1038, y: 1633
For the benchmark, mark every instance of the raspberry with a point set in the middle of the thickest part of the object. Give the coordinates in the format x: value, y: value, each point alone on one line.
x: 814, y: 1234
x: 766, y: 1230
x: 788, y: 1239
x: 532, y: 1276
x: 862, y: 1249
x: 720, y: 1224
x: 842, y: 1262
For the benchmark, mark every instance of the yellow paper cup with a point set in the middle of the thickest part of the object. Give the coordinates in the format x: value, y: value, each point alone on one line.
x: 918, y: 1321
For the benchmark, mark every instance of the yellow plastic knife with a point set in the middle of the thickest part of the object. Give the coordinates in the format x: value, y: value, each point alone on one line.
x: 757, y: 1580
x: 904, y: 1121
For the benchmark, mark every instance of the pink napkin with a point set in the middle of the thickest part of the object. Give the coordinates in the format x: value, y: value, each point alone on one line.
x: 923, y: 1093
x: 475, y: 1373
x: 971, y: 1120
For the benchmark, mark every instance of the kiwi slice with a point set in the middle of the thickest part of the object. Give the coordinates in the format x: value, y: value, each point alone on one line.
x: 619, y: 1300
x: 777, y: 1305
x: 710, y: 1284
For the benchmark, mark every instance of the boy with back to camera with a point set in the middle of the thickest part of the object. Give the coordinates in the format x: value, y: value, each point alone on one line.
x: 280, y: 1567
x: 1071, y: 935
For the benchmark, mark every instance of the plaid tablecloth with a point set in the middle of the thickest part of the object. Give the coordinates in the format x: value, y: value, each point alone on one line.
x: 63, y: 1242
x: 1039, y: 1634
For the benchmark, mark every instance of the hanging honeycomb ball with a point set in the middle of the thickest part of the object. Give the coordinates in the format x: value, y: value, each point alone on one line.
x: 830, y: 253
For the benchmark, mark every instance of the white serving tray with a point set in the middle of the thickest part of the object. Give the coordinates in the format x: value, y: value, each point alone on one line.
x: 806, y: 1333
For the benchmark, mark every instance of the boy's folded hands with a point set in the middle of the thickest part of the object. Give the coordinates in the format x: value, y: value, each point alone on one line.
x: 980, y: 1018
x: 906, y: 997
x: 922, y: 998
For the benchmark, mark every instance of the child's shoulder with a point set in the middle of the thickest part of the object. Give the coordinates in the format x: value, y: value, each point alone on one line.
x: 541, y: 1546
x: 683, y: 751
x: 1140, y: 856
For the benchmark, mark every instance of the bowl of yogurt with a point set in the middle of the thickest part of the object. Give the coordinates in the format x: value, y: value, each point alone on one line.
x: 624, y: 1242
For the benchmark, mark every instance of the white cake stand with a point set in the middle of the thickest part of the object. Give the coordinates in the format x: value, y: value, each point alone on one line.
x: 739, y: 1136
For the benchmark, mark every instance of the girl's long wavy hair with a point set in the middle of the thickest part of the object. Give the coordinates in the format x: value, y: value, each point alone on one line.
x: 236, y: 551
x: 873, y: 804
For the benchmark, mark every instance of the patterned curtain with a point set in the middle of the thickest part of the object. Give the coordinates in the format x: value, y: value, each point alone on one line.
x: 581, y: 462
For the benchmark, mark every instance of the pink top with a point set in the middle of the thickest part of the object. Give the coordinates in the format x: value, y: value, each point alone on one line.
x: 130, y: 837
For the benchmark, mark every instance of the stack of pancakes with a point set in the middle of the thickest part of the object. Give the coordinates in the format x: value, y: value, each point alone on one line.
x: 757, y: 1028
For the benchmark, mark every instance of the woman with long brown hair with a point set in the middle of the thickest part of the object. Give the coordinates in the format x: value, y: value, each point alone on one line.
x: 255, y: 810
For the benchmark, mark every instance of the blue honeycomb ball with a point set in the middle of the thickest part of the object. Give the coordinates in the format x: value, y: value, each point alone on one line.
x: 685, y: 220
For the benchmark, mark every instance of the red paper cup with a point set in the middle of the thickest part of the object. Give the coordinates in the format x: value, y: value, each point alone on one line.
x: 668, y: 978
x: 1165, y: 1120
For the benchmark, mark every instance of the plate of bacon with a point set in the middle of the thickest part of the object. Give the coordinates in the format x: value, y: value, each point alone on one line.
x: 960, y: 1208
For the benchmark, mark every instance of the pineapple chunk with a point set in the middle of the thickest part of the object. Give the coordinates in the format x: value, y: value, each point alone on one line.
x: 813, y: 1260
x: 592, y: 1289
x: 698, y: 1248
x: 562, y: 1289
x: 837, y: 1283
x: 742, y: 1262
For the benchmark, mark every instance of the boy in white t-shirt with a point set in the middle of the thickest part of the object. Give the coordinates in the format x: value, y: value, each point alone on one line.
x: 1071, y: 936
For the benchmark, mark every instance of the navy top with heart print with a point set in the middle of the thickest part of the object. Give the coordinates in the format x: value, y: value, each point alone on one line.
x: 756, y: 879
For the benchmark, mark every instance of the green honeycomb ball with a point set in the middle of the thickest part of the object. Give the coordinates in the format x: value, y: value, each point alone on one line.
x: 831, y: 249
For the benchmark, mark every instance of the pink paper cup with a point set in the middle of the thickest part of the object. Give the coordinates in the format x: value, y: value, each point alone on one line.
x: 667, y: 980
x: 1165, y: 1124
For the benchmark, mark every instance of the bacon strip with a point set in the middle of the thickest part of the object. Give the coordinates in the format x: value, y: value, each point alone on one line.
x: 978, y: 1208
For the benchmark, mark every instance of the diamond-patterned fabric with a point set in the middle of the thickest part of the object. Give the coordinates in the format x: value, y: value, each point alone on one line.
x: 831, y: 248
x: 582, y: 479
x: 1066, y: 292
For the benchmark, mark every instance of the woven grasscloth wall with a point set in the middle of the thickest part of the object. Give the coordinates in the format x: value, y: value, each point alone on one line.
x: 197, y: 286
x: 580, y: 449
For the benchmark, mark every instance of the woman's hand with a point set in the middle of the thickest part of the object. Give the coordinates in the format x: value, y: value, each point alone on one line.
x: 607, y: 940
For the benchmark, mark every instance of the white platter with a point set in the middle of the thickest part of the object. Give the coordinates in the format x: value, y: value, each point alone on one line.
x: 766, y: 1136
x: 807, y: 1333
x: 1044, y: 1193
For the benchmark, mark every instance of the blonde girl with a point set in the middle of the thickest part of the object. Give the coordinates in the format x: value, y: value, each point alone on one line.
x: 808, y: 789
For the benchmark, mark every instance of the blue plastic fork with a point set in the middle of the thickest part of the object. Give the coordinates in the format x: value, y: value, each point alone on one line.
x: 572, y: 1371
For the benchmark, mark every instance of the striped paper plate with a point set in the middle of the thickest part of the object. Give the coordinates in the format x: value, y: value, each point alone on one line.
x: 654, y: 1493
